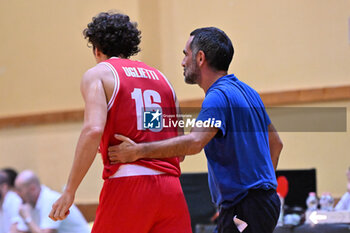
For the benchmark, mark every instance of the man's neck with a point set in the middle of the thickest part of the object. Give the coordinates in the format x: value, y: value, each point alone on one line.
x: 36, y: 198
x: 210, y: 77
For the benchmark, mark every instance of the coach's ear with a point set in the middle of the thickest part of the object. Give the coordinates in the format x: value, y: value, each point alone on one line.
x: 200, y: 58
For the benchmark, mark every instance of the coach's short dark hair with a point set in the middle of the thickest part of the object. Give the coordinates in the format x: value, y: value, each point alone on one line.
x: 113, y: 34
x: 215, y: 44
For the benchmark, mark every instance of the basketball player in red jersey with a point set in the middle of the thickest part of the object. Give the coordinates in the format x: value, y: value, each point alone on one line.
x: 140, y: 197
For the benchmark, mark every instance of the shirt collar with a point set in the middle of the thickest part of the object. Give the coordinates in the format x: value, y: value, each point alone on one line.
x: 40, y: 201
x: 229, y: 76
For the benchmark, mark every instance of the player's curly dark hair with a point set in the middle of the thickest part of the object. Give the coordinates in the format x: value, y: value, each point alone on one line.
x: 113, y: 34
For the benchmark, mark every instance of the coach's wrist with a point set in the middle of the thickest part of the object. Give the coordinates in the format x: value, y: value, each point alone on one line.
x: 140, y: 152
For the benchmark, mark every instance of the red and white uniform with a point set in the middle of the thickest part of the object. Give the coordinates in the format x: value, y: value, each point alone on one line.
x: 137, y: 86
x: 146, y: 195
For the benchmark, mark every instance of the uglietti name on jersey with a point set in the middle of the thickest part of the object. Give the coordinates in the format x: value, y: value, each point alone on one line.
x: 140, y: 73
x: 211, y: 122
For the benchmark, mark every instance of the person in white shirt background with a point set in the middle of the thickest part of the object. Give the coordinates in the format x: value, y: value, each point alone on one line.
x: 37, y: 203
x: 344, y: 203
x: 9, y: 204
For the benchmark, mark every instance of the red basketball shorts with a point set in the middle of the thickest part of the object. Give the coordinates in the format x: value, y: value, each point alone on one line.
x: 142, y: 204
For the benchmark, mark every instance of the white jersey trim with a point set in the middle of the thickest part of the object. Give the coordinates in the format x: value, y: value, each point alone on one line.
x: 177, y: 104
x: 171, y: 87
x: 116, y: 84
x: 126, y: 170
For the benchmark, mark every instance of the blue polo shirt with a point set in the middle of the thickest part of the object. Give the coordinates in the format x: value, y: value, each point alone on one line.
x: 239, y: 155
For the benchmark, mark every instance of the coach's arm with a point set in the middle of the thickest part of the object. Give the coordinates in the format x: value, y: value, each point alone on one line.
x: 189, y: 144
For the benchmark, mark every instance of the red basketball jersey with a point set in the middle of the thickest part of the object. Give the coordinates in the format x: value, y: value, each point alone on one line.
x: 138, y: 88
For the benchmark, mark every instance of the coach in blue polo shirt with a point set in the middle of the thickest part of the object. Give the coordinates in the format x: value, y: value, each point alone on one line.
x: 242, y: 147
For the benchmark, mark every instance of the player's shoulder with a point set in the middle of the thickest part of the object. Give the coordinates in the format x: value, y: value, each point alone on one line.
x: 100, y: 68
x: 97, y: 71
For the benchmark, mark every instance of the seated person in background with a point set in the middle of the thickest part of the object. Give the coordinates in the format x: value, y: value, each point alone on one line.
x: 11, y: 174
x: 344, y: 203
x: 9, y: 204
x: 37, y: 203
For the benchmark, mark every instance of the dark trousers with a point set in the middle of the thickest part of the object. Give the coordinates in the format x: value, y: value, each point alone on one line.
x: 259, y: 209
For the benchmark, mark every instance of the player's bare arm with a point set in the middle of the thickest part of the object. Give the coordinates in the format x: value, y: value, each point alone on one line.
x: 94, y: 121
x: 276, y: 145
x: 189, y: 144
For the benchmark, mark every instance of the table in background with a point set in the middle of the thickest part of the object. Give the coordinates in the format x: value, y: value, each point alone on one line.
x: 319, y: 228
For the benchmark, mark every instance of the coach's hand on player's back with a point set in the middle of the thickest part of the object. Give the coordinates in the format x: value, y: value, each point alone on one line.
x: 125, y: 152
x: 60, y: 209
